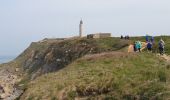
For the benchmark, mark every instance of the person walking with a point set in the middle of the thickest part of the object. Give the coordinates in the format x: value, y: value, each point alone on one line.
x: 121, y: 37
x: 161, y: 46
x: 127, y: 37
x: 149, y: 46
x: 139, y: 46
x: 147, y: 38
x: 152, y: 39
x: 134, y: 46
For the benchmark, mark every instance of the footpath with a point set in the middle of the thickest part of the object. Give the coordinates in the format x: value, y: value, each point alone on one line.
x: 131, y: 49
x: 166, y: 57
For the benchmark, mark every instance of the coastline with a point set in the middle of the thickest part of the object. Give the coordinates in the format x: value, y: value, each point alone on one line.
x: 6, y: 59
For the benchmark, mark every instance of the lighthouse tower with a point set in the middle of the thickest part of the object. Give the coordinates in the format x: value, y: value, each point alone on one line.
x: 80, y: 28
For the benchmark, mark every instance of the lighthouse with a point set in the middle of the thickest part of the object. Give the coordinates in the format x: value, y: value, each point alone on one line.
x: 80, y: 28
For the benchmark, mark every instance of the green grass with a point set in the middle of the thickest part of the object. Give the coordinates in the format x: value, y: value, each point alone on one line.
x: 78, y: 47
x: 109, y: 76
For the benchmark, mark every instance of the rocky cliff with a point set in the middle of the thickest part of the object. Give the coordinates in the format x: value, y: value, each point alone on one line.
x: 52, y: 55
x: 49, y: 55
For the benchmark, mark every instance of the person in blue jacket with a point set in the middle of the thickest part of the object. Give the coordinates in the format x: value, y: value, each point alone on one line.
x: 147, y: 38
x: 152, y: 39
x: 149, y: 46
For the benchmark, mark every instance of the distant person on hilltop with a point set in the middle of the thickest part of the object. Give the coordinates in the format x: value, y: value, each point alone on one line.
x: 121, y: 37
x: 147, y: 38
x: 152, y: 39
x: 161, y: 46
x: 149, y: 46
x: 127, y: 37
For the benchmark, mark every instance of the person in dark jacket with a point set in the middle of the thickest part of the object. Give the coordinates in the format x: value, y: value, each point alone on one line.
x: 152, y: 39
x: 149, y: 46
x: 134, y: 47
x: 147, y: 38
x: 161, y: 47
x: 121, y: 37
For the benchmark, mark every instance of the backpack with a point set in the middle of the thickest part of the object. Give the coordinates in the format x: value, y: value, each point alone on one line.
x: 149, y: 45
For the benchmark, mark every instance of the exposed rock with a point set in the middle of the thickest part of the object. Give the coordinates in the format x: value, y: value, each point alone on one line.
x: 48, y: 55
x: 51, y: 55
x: 1, y: 90
x: 16, y: 69
x: 7, y: 85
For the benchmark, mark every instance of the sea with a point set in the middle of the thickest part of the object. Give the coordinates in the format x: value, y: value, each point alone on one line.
x: 6, y: 59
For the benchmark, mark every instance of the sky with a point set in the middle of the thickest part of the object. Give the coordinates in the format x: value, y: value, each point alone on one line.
x: 26, y: 21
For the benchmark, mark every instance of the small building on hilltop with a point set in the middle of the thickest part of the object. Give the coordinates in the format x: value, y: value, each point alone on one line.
x: 99, y: 35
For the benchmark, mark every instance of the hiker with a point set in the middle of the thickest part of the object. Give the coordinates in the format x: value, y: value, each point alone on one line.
x: 161, y: 46
x: 149, y: 46
x: 152, y: 39
x: 147, y: 38
x: 139, y: 46
x: 127, y: 37
x: 121, y: 37
x: 134, y: 46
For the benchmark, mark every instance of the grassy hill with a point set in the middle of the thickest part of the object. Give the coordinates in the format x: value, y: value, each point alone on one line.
x: 91, y: 69
x: 105, y: 76
x: 52, y: 55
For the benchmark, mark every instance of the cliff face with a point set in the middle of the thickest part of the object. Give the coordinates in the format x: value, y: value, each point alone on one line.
x: 48, y: 55
x: 52, y: 55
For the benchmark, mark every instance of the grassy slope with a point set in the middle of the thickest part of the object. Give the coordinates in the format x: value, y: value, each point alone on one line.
x: 106, y: 76
x: 77, y: 47
x: 42, y: 47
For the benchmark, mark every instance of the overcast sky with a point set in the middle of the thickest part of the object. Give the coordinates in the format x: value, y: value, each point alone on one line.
x: 24, y: 21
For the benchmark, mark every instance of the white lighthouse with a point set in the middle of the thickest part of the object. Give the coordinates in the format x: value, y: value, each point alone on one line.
x: 80, y: 28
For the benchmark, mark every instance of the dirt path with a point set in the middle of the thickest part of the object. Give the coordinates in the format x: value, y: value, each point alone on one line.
x: 166, y: 57
x: 131, y: 49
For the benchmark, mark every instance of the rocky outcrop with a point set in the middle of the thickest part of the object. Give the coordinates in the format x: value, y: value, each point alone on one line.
x: 50, y: 56
x: 8, y: 91
x: 55, y: 58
